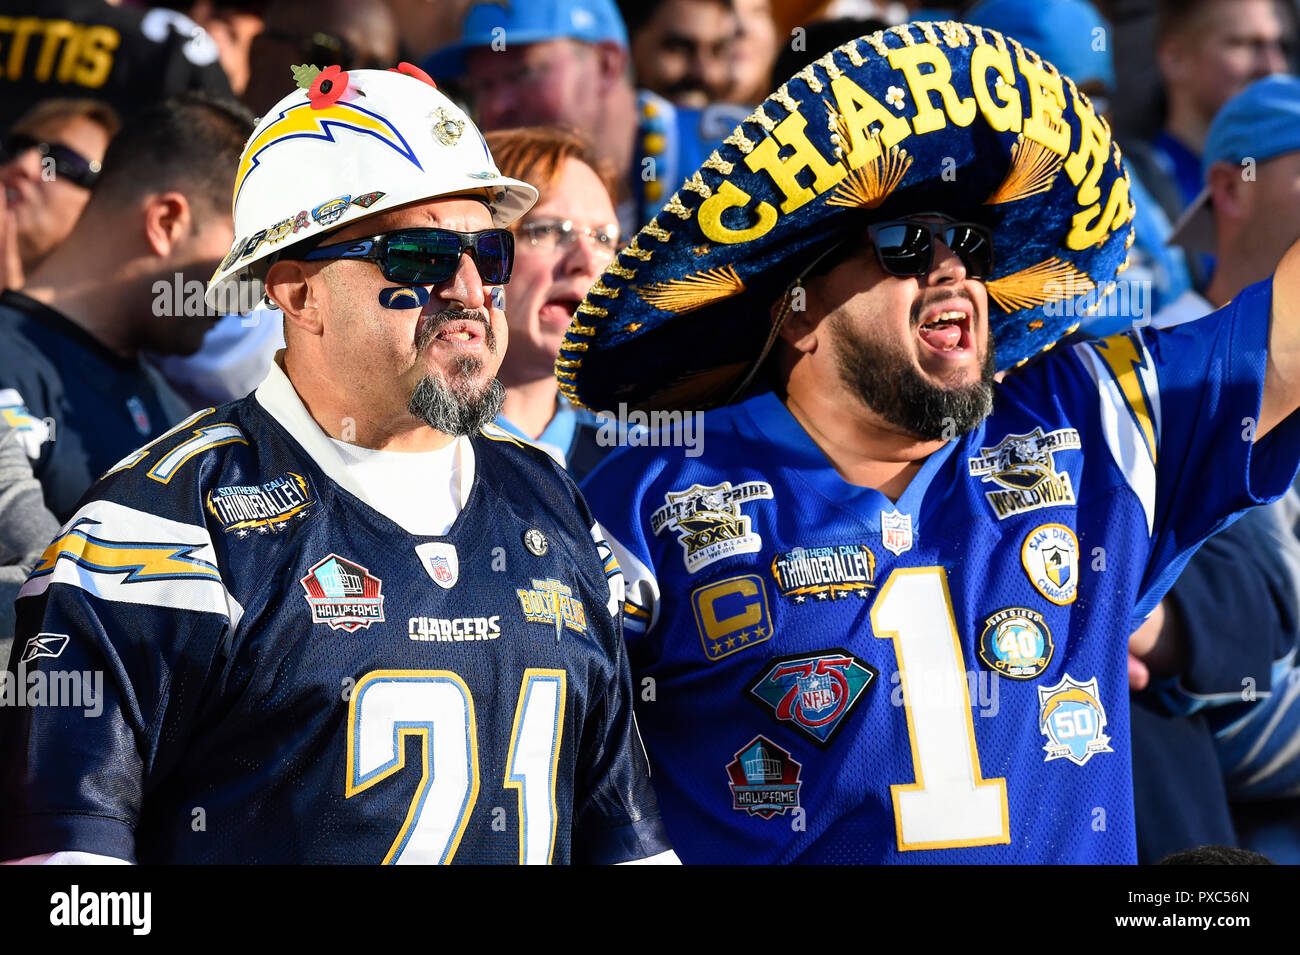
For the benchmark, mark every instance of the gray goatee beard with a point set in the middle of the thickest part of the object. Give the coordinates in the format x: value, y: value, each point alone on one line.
x: 459, y: 405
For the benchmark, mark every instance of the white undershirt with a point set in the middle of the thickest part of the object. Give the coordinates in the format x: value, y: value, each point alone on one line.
x: 420, y: 491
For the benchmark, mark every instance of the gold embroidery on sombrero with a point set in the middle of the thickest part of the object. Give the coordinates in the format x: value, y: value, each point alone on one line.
x: 632, y: 326
x: 977, y: 32
x: 586, y: 308
x: 697, y: 185
x: 600, y: 288
x: 954, y: 34
x: 1101, y: 300
x: 585, y: 330
x: 655, y: 231
x: 869, y: 185
x: 1033, y: 170
x: 760, y: 118
x: 808, y: 76
x: 674, y: 207
x: 577, y: 346
x: 693, y: 291
x: 927, y: 31
x: 567, y: 362
x: 718, y: 164
x: 850, y: 50
x: 904, y: 34
x: 636, y: 251
x: 1051, y: 280
x: 740, y: 141
x: 827, y: 63
x: 620, y: 271
x: 783, y: 96
x: 877, y: 43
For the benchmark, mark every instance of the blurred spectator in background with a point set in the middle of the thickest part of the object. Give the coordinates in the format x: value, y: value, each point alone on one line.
x: 1248, y: 574
x: 754, y: 52
x: 561, y: 247
x: 126, y: 56
x: 1072, y: 35
x: 49, y: 161
x: 816, y: 39
x: 69, y: 342
x: 228, y: 25
x: 1207, y: 51
x: 681, y: 49
x: 26, y: 526
x: 353, y: 34
x: 565, y: 62
x: 426, y: 25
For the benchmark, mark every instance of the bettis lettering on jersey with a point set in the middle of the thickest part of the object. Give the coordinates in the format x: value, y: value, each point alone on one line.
x: 1024, y: 470
x: 264, y: 508
x: 831, y: 572
x: 454, y: 630
x: 551, y: 602
x: 709, y: 522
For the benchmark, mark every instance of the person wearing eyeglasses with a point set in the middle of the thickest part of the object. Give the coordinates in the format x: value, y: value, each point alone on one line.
x: 50, y: 160
x: 886, y: 611
x: 561, y: 246
x: 287, y: 591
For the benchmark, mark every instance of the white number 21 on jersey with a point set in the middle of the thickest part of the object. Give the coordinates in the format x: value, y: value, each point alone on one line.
x: 387, y: 706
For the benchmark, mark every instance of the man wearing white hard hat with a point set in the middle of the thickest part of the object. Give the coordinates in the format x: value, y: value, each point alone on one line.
x: 340, y: 615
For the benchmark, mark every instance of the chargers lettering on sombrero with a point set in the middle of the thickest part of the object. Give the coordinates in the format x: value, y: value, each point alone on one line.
x: 1029, y: 158
x: 303, y: 121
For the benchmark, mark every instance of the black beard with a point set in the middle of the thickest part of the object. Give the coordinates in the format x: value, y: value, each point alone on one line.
x: 456, y: 407
x: 890, y: 385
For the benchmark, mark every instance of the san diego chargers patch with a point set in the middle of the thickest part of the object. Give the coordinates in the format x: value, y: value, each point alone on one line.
x: 825, y: 573
x: 764, y: 779
x: 343, y: 594
x: 1071, y: 716
x: 1023, y: 470
x: 1016, y: 643
x: 732, y: 615
x: 814, y: 693
x: 709, y: 522
x: 1050, y: 555
x: 265, y: 508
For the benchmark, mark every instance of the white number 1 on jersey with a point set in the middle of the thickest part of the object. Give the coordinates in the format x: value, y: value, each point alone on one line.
x: 950, y: 804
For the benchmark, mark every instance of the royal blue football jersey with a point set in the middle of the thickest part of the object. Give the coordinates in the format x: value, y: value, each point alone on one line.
x: 825, y: 675
x: 287, y: 675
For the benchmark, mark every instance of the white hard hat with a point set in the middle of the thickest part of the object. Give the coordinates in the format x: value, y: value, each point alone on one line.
x: 317, y: 162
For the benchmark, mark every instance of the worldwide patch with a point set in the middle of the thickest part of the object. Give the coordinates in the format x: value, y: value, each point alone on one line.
x: 1071, y: 716
x: 764, y: 779
x: 552, y: 603
x: 1016, y: 643
x: 1050, y: 556
x: 49, y: 645
x: 343, y: 594
x: 440, y: 562
x: 896, y: 531
x: 1024, y: 470
x: 814, y: 693
x: 454, y: 629
x: 709, y: 522
x: 825, y: 573
x: 266, y: 508
x: 732, y: 615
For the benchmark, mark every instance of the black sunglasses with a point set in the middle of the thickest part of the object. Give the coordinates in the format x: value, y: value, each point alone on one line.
x: 428, y: 256
x: 906, y: 247
x: 68, y: 163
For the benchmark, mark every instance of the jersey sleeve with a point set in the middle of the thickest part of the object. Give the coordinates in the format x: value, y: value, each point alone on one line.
x: 1177, y: 410
x: 118, y: 628
x: 615, y: 491
x: 615, y: 813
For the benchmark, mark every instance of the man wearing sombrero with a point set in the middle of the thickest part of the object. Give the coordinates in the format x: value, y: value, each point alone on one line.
x: 883, y: 617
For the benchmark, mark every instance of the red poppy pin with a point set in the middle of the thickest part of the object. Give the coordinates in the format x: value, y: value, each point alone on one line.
x: 410, y: 69
x: 329, y: 85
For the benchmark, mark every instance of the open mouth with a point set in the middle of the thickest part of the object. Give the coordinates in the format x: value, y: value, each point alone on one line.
x: 558, y: 311
x: 460, y: 332
x: 946, y: 330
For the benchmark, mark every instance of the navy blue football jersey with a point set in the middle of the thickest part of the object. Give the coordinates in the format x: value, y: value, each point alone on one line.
x: 77, y: 406
x: 835, y: 677
x: 289, y: 676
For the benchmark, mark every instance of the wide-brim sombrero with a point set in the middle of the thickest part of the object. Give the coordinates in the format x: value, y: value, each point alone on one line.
x: 924, y: 116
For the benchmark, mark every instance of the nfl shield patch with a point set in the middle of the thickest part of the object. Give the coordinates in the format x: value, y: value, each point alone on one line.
x: 896, y: 531
x: 440, y: 563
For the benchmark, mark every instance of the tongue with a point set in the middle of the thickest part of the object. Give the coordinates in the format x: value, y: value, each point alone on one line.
x: 555, y: 312
x: 941, y: 337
